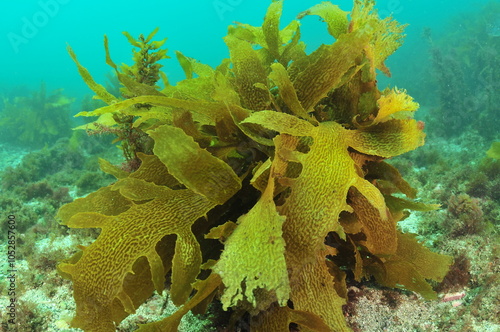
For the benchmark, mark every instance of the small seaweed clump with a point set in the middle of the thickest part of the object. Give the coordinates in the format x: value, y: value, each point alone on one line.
x: 494, y: 151
x: 465, y: 215
x: 261, y: 182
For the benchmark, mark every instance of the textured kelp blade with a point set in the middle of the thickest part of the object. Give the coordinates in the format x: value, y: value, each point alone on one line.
x: 387, y: 41
x: 170, y: 324
x: 328, y: 172
x: 109, y: 61
x: 258, y: 235
x: 393, y: 102
x: 248, y: 71
x: 399, y: 204
x: 150, y: 116
x: 330, y: 65
x: 278, y: 319
x: 429, y: 264
x: 185, y: 64
x: 200, y: 69
x: 256, y: 133
x: 411, y: 266
x: 138, y: 189
x: 373, y: 196
x: 198, y: 88
x: 184, y: 120
x: 193, y: 166
x: 335, y: 18
x: 136, y: 88
x: 271, y: 28
x: 247, y: 32
x: 268, y: 37
x: 318, y: 194
x: 273, y: 319
x: 281, y: 122
x: 386, y: 35
x: 153, y: 170
x: 386, y: 172
x: 127, y: 237
x: 388, y: 139
x: 380, y: 234
x: 294, y: 49
x: 137, y: 286
x: 261, y: 175
x: 358, y: 265
x: 224, y: 91
x: 109, y: 168
x: 221, y: 232
x: 315, y: 282
x: 104, y: 201
x: 105, y: 120
x: 287, y: 92
x: 208, y: 112
x: 99, y: 90
x: 402, y: 274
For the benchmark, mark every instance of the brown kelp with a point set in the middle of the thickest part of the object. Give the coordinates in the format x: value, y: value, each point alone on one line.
x: 260, y: 182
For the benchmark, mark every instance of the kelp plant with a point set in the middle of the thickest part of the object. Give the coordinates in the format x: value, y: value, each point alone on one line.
x: 264, y: 186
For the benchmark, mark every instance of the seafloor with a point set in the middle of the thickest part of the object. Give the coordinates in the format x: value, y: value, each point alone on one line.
x: 455, y: 173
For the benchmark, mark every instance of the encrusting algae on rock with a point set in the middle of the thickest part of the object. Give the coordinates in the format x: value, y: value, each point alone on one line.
x: 258, y: 173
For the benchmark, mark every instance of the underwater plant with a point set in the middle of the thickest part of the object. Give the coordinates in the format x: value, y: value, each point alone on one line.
x: 36, y: 120
x: 264, y: 184
x: 465, y: 215
x: 494, y: 150
x: 141, y: 78
x: 465, y: 66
